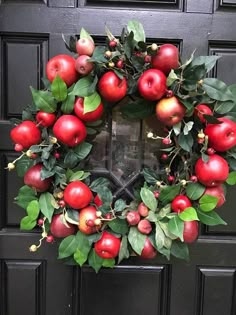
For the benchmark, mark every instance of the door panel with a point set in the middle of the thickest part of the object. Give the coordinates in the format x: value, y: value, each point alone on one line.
x: 39, y: 284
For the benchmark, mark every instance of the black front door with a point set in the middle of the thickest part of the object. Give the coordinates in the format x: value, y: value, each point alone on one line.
x: 30, y: 34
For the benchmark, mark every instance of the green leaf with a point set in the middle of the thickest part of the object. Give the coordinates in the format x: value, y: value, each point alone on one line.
x: 27, y: 223
x: 82, y: 150
x: 164, y: 211
x: 85, y: 34
x: 99, y: 182
x: 188, y: 127
x: 44, y: 101
x: 180, y: 250
x: 98, y: 55
x: 108, y: 263
x: 72, y: 216
x: 91, y: 102
x: 25, y: 196
x: 159, y: 236
x: 138, y: 109
x: 119, y: 226
x: 148, y: 198
x: 189, y: 214
x: 45, y: 204
x: 68, y: 105
x: 23, y: 165
x: 168, y: 193
x: 177, y: 128
x: 164, y: 226
x: 124, y: 252
x: 83, y: 248
x: 217, y: 89
x: 208, y: 61
x: 172, y: 77
x: 119, y: 205
x: 67, y: 247
x: 59, y: 89
x: 83, y: 87
x: 176, y: 227
x: 71, y: 159
x: 136, y: 240
x: 224, y: 107
x: 231, y: 180
x: 210, y: 218
x: 76, y: 176
x: 105, y: 195
x: 186, y: 141
x: 150, y: 176
x: 33, y: 209
x: 195, y: 190
x: 138, y: 30
x: 95, y: 261
x: 208, y: 203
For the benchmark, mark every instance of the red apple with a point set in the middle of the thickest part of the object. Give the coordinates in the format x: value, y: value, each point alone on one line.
x: 26, y: 134
x: 83, y: 66
x: 202, y: 109
x: 90, y: 116
x: 85, y: 46
x: 108, y: 246
x: 221, y: 137
x: 152, y: 84
x: 64, y: 66
x: 144, y: 226
x: 190, y: 233
x: 166, y: 58
x: 143, y: 209
x: 70, y: 130
x: 148, y: 251
x: 45, y: 119
x: 112, y: 88
x: 170, y: 111
x: 133, y: 217
x: 180, y: 203
x: 59, y: 229
x: 77, y: 195
x: 217, y: 191
x: 86, y: 215
x: 33, y: 179
x: 213, y: 172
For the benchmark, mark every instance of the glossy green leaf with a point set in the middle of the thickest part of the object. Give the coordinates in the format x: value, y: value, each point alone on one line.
x: 83, y: 87
x: 23, y: 165
x: 85, y: 34
x: 159, y: 236
x: 119, y: 226
x: 176, y: 227
x: 95, y: 261
x: 208, y: 61
x: 224, y: 107
x: 45, y: 204
x: 44, y: 101
x: 27, y: 223
x: 148, y: 198
x: 71, y: 159
x: 67, y: 106
x: 124, y: 252
x: 98, y: 182
x: 195, y: 190
x: 67, y: 247
x: 119, y: 205
x: 186, y: 141
x: 25, y: 196
x: 217, y: 89
x: 91, y: 102
x: 168, y: 193
x: 208, y: 202
x: 189, y: 214
x: 231, y: 180
x: 59, y: 89
x: 137, y: 28
x: 109, y: 263
x: 83, y: 248
x: 136, y: 240
x: 82, y: 150
x: 33, y: 209
x: 210, y: 218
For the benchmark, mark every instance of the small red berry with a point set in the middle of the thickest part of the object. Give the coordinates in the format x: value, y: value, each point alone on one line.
x: 171, y: 178
x: 90, y: 223
x: 108, y: 216
x: 40, y: 222
x: 156, y: 194
x: 210, y: 151
x: 49, y: 239
x: 18, y: 147
x: 164, y: 156
x: 169, y: 93
x: 166, y: 141
x: 113, y: 43
x: 200, y: 140
x: 56, y: 155
x: 34, y: 156
x: 62, y: 203
x: 193, y: 178
x: 120, y: 64
x: 147, y: 59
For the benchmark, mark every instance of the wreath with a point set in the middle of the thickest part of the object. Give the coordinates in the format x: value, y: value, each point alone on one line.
x: 195, y: 114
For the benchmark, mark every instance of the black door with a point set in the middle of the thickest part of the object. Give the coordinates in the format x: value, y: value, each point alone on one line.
x: 30, y: 34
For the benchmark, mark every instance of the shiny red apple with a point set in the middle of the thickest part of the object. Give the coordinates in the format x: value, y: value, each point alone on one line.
x: 202, y: 109
x: 59, y: 229
x: 87, y: 216
x: 83, y: 66
x: 33, y: 178
x: 45, y: 119
x: 90, y: 116
x: 213, y: 172
x: 108, y: 246
x: 70, y: 130
x: 77, y: 195
x: 190, y: 233
x: 152, y: 84
x: 26, y: 134
x: 111, y: 87
x: 166, y: 58
x: 148, y: 251
x: 180, y: 203
x: 85, y: 46
x: 170, y: 111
